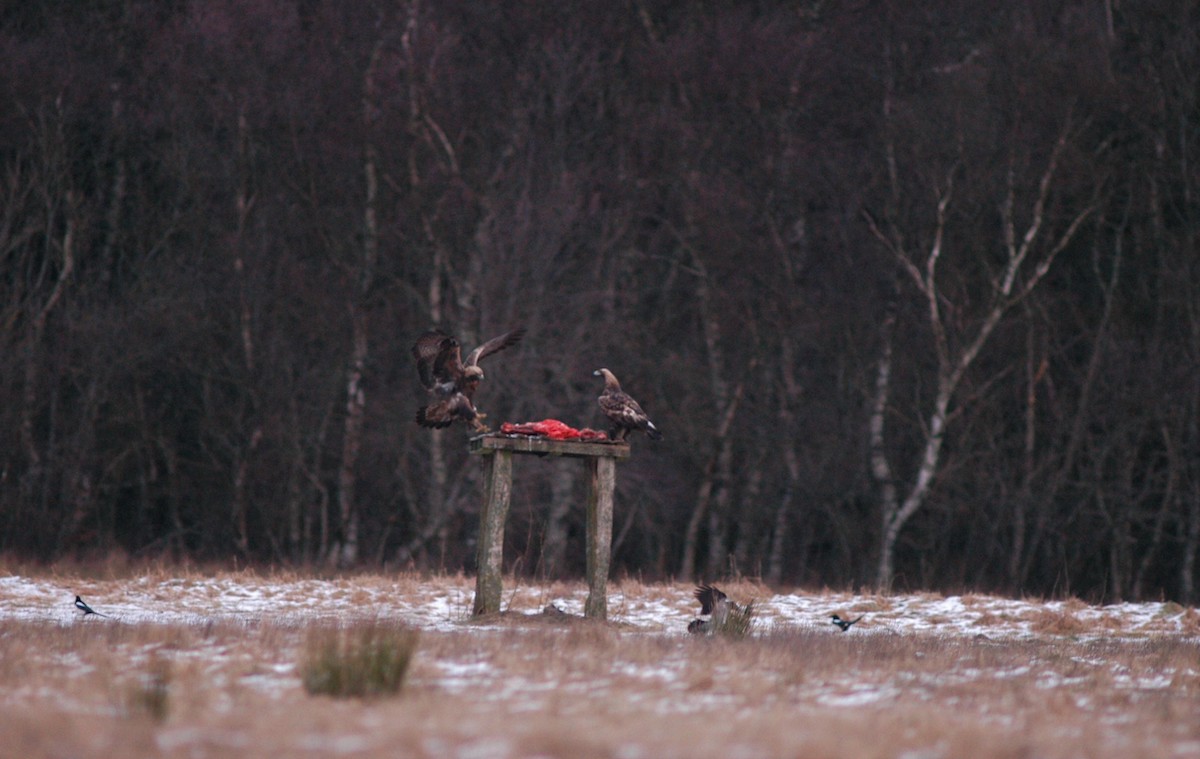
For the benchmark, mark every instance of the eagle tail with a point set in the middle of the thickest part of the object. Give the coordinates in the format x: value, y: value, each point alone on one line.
x: 652, y: 431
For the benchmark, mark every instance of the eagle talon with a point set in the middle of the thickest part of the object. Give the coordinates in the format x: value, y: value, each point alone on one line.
x: 477, y: 422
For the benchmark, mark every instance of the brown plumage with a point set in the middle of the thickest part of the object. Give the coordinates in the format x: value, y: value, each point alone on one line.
x: 450, y: 381
x: 728, y: 618
x: 622, y: 410
x: 709, y: 597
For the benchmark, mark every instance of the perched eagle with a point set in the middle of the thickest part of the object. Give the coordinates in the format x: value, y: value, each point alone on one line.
x: 727, y: 617
x: 622, y: 410
x: 451, y: 382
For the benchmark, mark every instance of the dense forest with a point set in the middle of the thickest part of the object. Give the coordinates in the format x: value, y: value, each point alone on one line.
x: 911, y: 288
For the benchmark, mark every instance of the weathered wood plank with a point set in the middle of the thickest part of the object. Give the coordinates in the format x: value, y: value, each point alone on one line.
x: 485, y: 444
x: 603, y: 480
x: 600, y: 460
x: 497, y: 477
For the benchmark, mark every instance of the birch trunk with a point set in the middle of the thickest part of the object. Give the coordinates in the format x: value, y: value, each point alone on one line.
x: 1027, y: 260
x: 420, y: 122
x: 36, y: 337
x: 719, y: 466
x: 348, y: 547
x: 1024, y: 497
x: 352, y: 431
x: 881, y: 468
x: 792, y: 462
x: 244, y: 204
x: 687, y: 567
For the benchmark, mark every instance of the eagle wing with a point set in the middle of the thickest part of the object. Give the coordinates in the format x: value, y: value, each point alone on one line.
x: 622, y: 409
x: 708, y: 596
x: 442, y: 413
x: 495, y: 345
x: 439, y: 358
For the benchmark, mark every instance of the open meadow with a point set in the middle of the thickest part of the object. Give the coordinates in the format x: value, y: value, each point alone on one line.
x: 210, y: 664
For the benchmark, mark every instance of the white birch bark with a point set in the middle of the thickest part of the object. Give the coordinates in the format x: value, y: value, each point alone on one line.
x: 1028, y: 258
x: 352, y: 430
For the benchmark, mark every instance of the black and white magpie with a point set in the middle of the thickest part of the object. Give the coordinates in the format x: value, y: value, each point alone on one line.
x: 844, y: 623
x: 85, y: 610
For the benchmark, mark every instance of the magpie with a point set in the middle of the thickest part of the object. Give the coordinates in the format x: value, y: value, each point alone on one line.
x: 86, y: 610
x: 844, y: 623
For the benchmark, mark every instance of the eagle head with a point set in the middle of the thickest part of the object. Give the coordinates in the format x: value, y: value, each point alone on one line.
x: 610, y: 379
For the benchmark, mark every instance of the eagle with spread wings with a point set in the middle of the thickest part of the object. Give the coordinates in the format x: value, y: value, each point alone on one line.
x: 622, y: 410
x: 450, y: 381
x: 727, y: 618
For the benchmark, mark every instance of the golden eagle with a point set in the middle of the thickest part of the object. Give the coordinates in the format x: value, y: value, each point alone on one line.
x: 451, y: 382
x: 727, y: 617
x: 622, y: 410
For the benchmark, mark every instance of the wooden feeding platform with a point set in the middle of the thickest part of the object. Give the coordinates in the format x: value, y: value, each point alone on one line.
x: 600, y: 465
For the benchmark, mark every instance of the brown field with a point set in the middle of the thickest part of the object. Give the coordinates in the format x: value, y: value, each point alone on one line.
x: 997, y: 679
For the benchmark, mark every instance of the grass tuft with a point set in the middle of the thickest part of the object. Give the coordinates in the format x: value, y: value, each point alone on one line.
x: 1057, y: 622
x: 367, y: 659
x: 734, y: 625
x: 151, y: 694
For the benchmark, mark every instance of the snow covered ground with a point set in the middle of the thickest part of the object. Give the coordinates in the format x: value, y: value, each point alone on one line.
x: 933, y: 675
x: 444, y: 603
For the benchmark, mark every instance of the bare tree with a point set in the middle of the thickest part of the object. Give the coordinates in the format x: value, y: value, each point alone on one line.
x: 223, y: 224
x: 364, y: 278
x: 48, y: 270
x: 1028, y: 255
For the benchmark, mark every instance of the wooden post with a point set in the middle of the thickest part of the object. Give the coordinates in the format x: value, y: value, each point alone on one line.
x: 497, y: 478
x: 603, y: 478
x: 601, y: 467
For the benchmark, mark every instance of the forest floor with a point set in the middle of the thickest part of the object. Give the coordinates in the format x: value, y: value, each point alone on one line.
x: 921, y: 676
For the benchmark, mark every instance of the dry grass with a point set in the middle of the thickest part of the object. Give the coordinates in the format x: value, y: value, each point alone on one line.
x: 1058, y: 622
x: 531, y: 685
x: 367, y: 658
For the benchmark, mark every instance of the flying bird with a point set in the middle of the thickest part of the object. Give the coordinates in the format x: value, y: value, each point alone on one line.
x: 714, y: 602
x: 844, y: 623
x: 450, y: 381
x: 622, y: 410
x: 85, y: 610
